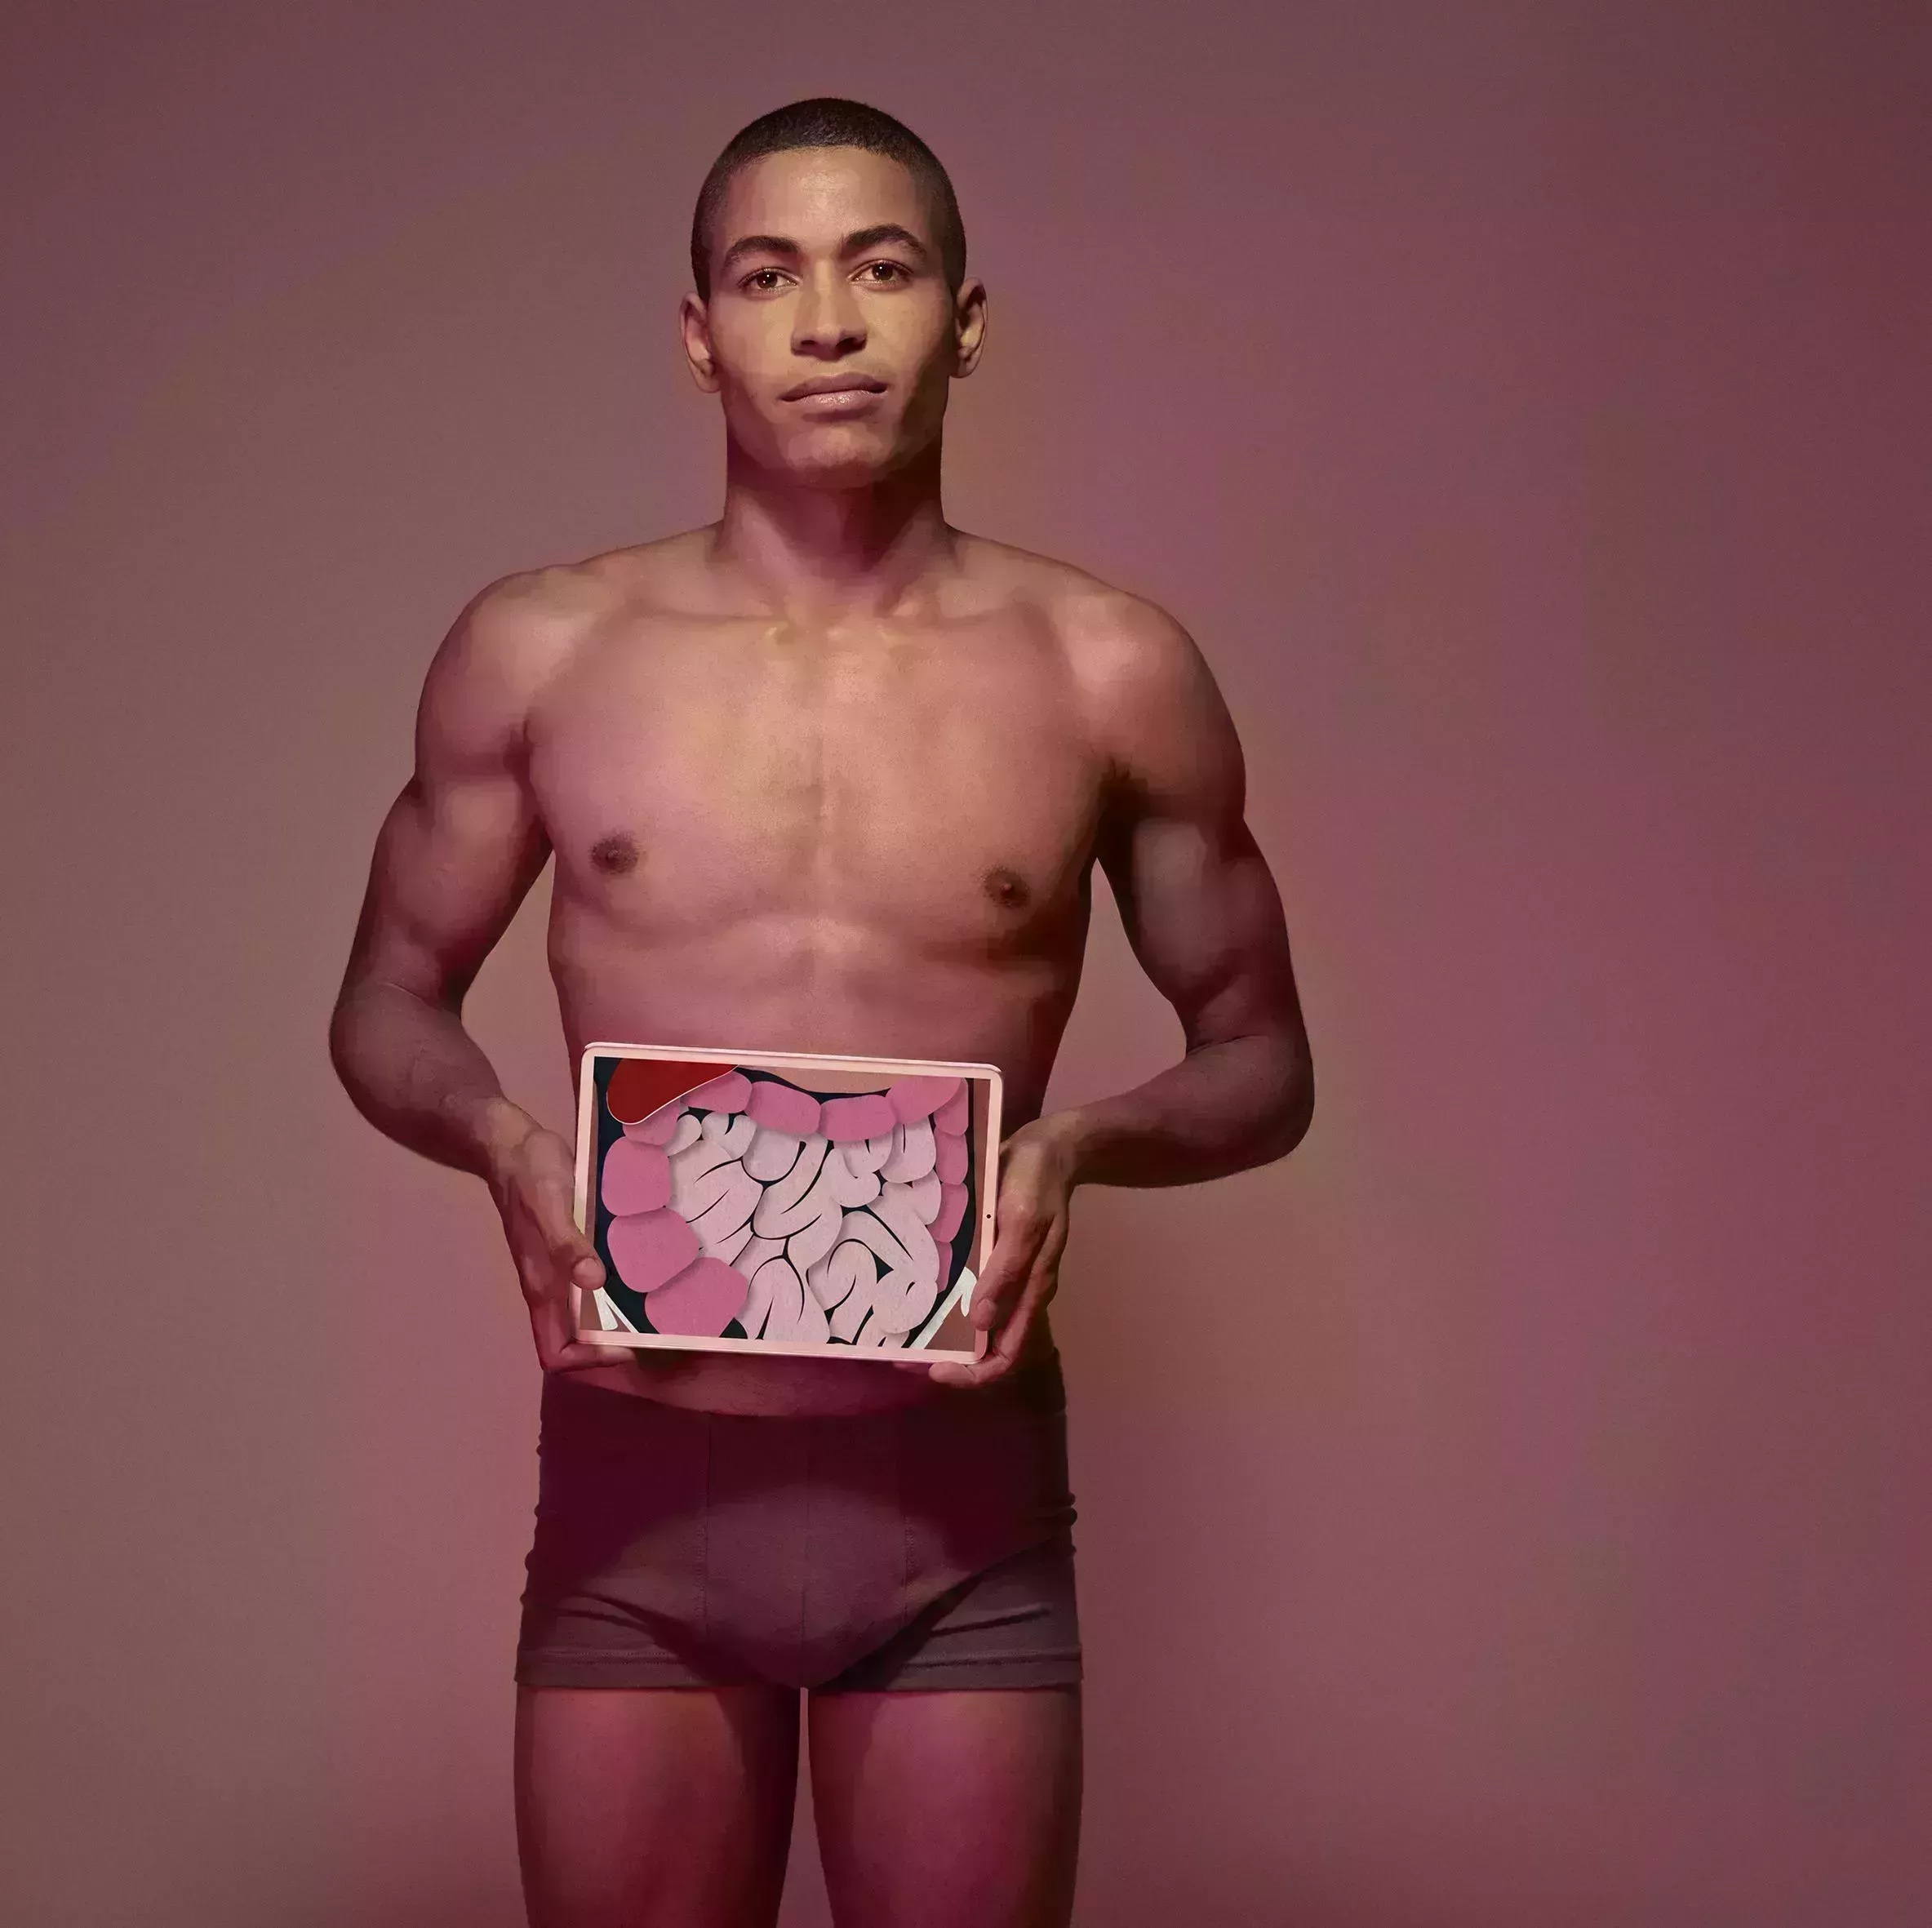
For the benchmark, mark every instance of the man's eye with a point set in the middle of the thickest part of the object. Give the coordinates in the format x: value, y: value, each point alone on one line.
x: 883, y: 272
x: 763, y: 279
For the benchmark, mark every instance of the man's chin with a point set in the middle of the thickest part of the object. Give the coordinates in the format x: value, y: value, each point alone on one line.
x: 843, y: 461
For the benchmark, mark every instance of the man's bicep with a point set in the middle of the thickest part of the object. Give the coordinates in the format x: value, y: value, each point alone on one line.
x: 453, y: 862
x: 463, y: 843
x: 1201, y: 912
x: 1197, y: 900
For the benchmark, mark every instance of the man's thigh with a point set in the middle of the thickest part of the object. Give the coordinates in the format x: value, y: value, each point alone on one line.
x: 658, y: 1807
x: 948, y: 1809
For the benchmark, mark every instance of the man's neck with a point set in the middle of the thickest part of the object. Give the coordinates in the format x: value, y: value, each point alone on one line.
x: 822, y: 555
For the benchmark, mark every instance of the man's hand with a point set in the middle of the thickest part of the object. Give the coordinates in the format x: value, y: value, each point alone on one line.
x: 533, y: 1179
x: 1023, y: 1272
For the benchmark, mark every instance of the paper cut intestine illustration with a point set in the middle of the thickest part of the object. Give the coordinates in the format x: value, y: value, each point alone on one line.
x: 736, y: 1202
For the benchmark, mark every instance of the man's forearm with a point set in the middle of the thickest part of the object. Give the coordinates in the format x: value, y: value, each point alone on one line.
x: 1226, y: 1106
x: 419, y: 1078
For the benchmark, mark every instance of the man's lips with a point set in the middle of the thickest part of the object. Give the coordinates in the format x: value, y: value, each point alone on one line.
x: 835, y: 385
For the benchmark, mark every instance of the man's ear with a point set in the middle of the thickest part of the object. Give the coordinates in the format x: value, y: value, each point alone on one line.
x: 969, y: 325
x: 696, y: 329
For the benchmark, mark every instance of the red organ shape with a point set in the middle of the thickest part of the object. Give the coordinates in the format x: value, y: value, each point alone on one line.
x: 952, y: 1200
x: 778, y: 1108
x: 911, y: 1157
x: 843, y: 1120
x: 913, y: 1099
x: 955, y: 1112
x: 639, y: 1086
x: 895, y: 1210
x: 727, y: 1094
x: 793, y: 1314
x: 701, y: 1300
x: 651, y: 1248
x: 658, y: 1127
x: 949, y: 1157
x: 901, y: 1299
x: 637, y: 1177
x: 794, y: 1201
x: 858, y: 1172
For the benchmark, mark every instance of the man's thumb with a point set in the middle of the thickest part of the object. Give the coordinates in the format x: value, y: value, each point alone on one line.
x: 568, y: 1245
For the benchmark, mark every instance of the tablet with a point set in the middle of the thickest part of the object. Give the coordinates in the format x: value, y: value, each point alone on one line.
x: 792, y: 1204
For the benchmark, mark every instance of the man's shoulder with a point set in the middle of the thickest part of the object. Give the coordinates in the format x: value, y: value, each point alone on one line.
x: 562, y: 597
x: 517, y: 632
x: 1117, y: 646
x: 1148, y: 698
x: 1101, y: 626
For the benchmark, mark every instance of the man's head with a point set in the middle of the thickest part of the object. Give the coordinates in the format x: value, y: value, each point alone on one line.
x: 830, y: 122
x: 829, y: 256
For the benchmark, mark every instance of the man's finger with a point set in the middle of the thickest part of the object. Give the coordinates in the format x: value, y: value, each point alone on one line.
x: 546, y: 1287
x: 546, y: 1275
x: 1013, y: 1255
x: 568, y: 1247
x: 990, y: 1300
x: 548, y: 1328
x: 555, y: 1209
x: 587, y: 1275
x: 995, y: 1362
x: 581, y: 1353
x: 533, y: 1276
x: 1004, y: 1347
x: 949, y: 1372
x: 560, y: 1347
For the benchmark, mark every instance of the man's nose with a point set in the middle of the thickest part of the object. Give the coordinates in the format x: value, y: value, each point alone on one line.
x: 827, y: 322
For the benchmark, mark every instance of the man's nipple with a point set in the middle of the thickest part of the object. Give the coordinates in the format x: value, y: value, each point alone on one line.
x: 615, y: 855
x: 1006, y: 888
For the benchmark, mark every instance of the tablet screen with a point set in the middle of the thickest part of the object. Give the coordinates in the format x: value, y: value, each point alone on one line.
x: 794, y: 1204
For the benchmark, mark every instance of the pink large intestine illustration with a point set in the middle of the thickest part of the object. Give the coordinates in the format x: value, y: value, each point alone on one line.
x: 804, y: 1219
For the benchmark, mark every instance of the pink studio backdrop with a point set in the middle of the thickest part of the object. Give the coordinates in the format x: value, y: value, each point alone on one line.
x: 1526, y: 406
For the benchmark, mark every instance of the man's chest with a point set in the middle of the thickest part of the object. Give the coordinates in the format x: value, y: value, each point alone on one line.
x: 918, y: 775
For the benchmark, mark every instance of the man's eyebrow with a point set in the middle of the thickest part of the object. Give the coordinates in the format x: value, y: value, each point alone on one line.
x: 866, y: 237
x: 854, y: 244
x: 759, y: 244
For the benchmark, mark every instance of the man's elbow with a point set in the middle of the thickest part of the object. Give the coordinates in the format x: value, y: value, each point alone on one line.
x: 1293, y: 1109
x: 355, y: 1021
x: 342, y: 1030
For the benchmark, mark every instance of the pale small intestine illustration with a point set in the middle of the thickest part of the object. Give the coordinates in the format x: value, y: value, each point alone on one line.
x: 808, y: 1220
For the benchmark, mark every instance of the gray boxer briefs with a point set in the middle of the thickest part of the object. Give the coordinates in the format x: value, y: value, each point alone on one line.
x: 927, y: 1547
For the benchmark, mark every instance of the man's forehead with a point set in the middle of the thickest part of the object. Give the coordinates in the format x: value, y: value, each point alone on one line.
x: 816, y: 196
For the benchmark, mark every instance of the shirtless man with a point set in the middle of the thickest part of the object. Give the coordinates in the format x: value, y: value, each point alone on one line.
x: 827, y: 776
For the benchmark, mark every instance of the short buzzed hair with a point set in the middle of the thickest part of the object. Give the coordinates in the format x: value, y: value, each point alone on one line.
x: 829, y: 122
